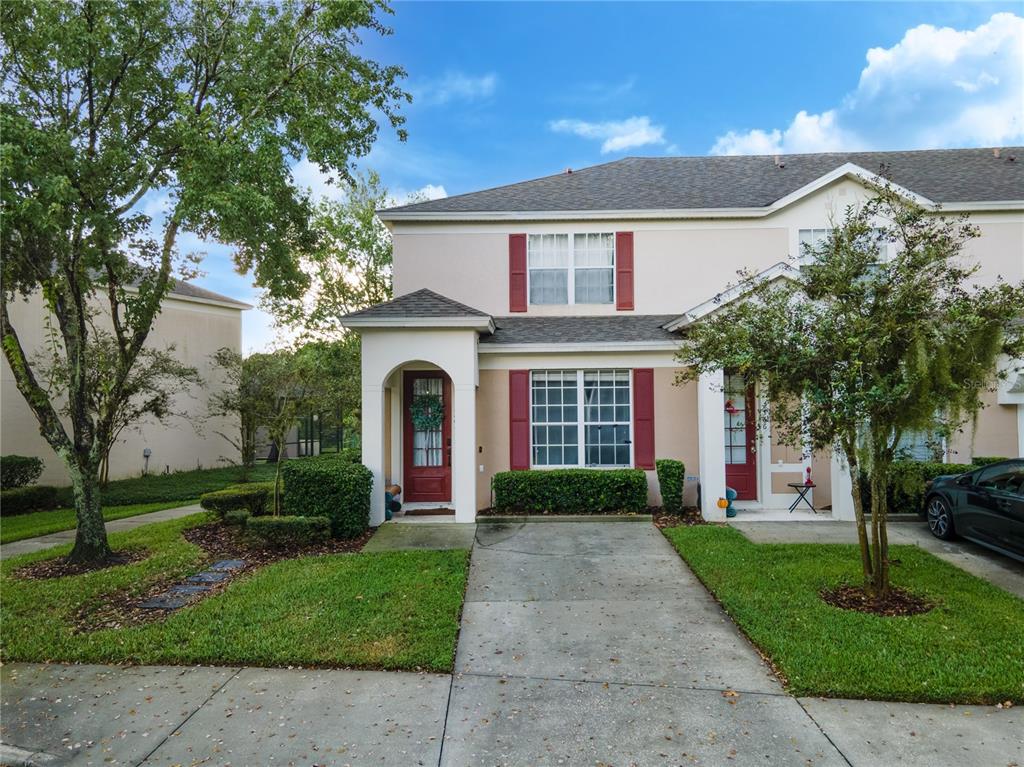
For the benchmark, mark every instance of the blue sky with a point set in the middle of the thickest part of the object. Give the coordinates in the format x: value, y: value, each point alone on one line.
x: 509, y: 91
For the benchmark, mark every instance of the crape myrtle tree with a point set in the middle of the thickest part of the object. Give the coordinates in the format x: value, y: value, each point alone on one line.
x: 880, y: 333
x: 107, y: 106
x: 157, y: 388
x: 245, y: 396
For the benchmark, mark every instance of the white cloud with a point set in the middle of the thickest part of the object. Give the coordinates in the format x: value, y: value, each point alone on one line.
x: 401, y: 196
x: 616, y: 135
x: 307, y: 175
x: 936, y: 87
x: 454, y: 86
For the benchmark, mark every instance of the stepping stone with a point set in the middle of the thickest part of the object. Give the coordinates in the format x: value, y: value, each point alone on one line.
x: 189, y: 588
x: 228, y: 564
x: 164, y: 602
x: 207, y: 577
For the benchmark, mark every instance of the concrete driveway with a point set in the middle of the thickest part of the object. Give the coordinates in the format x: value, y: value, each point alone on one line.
x: 582, y: 644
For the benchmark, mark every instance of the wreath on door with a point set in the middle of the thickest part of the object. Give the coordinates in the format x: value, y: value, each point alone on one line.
x: 427, y: 412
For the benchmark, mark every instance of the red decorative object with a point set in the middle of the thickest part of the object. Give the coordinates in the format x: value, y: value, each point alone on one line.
x: 808, y: 481
x: 730, y: 408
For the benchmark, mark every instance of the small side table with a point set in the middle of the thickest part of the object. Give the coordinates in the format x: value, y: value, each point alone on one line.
x: 802, y: 489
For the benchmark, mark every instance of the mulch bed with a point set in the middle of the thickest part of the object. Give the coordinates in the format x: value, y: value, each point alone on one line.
x: 220, y: 542
x: 690, y: 516
x: 897, y: 603
x: 60, y: 567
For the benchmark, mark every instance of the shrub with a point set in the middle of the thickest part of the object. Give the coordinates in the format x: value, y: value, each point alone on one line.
x: 346, y: 455
x: 571, y: 491
x: 22, y: 500
x: 671, y: 475
x: 907, y: 483
x: 283, y: 532
x: 255, y: 498
x: 236, y: 517
x: 327, y: 487
x: 985, y: 460
x: 19, y: 471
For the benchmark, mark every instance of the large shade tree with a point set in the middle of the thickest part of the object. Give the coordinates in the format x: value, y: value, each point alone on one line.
x: 880, y: 333
x: 110, y: 108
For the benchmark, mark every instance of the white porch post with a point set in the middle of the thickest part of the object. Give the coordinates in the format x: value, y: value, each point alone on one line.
x: 464, y: 451
x: 842, y: 488
x: 711, y: 443
x: 373, y: 446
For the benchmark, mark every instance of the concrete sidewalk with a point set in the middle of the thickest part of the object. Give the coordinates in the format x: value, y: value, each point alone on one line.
x: 29, y: 545
x: 996, y: 568
x: 581, y: 644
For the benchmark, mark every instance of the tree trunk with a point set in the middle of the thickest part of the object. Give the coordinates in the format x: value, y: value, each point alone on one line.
x: 879, y: 480
x: 91, y: 544
x: 858, y: 515
x: 277, y: 489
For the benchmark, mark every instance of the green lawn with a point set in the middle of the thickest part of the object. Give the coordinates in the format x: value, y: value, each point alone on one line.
x: 23, y: 526
x: 178, y: 486
x: 966, y: 650
x: 392, y: 610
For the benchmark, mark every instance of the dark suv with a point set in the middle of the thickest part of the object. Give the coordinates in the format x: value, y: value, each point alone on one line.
x: 985, y: 506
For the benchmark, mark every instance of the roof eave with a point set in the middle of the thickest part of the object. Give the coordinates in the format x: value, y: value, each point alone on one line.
x: 469, y: 322
x: 564, y: 348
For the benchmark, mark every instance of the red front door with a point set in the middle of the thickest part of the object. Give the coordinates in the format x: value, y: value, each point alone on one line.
x: 427, y: 437
x: 740, y: 438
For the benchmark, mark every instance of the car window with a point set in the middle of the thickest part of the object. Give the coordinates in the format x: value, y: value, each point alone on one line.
x: 1008, y: 477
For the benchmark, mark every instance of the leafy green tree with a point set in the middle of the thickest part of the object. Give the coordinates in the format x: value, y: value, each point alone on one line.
x: 155, y: 390
x: 245, y: 396
x: 879, y: 334
x: 108, y: 106
x: 351, y: 267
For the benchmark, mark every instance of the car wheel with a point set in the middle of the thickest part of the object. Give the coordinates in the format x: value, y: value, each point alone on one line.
x: 940, y: 518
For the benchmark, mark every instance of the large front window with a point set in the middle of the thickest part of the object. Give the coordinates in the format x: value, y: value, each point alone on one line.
x: 581, y: 418
x: 571, y: 269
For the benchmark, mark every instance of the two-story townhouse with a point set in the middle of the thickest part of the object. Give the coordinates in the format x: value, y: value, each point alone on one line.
x: 544, y: 316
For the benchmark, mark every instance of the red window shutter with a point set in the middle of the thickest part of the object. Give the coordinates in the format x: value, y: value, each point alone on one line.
x: 643, y: 418
x: 517, y: 272
x: 519, y: 419
x: 624, y: 271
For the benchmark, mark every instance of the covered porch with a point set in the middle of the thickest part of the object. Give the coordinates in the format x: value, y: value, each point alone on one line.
x: 420, y: 375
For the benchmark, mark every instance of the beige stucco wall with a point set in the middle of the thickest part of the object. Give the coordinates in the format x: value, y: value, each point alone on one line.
x: 197, y: 330
x: 995, y: 434
x: 675, y: 429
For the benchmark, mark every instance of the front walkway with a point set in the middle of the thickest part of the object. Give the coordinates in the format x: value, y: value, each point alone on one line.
x: 996, y: 568
x: 28, y: 545
x: 581, y: 644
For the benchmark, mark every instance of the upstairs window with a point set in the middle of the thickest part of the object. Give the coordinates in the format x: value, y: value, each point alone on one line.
x: 571, y: 269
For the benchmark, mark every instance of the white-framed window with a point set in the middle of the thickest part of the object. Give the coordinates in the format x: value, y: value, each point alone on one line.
x: 581, y: 418
x: 813, y: 239
x: 574, y: 268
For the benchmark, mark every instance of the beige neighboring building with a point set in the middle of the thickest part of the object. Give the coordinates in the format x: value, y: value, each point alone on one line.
x: 198, y: 322
x: 545, y: 317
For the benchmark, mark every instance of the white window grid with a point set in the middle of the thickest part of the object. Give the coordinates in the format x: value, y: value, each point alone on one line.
x: 614, y: 386
x: 577, y: 254
x: 814, y: 237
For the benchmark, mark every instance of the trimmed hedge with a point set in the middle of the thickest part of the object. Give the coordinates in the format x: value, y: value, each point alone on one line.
x: 236, y: 517
x: 19, y: 471
x: 22, y: 500
x: 571, y: 491
x: 985, y: 460
x: 256, y: 498
x: 907, y: 483
x: 283, y: 532
x: 671, y: 475
x: 326, y: 487
x: 346, y: 455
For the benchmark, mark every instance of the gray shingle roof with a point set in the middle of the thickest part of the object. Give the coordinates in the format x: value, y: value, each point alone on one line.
x: 188, y: 290
x: 631, y: 328
x: 676, y: 183
x: 421, y: 303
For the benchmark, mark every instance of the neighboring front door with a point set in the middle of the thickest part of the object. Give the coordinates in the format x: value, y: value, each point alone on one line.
x: 740, y: 436
x: 427, y: 437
